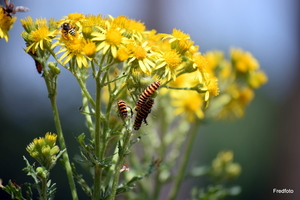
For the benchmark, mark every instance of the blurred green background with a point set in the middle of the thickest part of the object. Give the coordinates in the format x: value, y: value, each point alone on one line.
x: 265, y: 141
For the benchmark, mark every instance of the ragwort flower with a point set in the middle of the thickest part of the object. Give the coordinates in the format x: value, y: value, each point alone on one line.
x: 40, y: 38
x: 188, y: 103
x: 77, y: 48
x: 38, y: 34
x: 110, y: 39
x: 143, y: 55
x: 169, y: 63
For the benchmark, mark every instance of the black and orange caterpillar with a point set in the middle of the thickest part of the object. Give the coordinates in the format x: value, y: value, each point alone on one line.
x: 143, y: 114
x: 146, y: 94
x: 122, y: 108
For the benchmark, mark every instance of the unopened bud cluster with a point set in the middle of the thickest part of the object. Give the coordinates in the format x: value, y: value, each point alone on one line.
x: 44, y: 150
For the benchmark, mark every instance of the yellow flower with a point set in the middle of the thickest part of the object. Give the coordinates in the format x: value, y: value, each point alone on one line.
x: 6, y: 23
x: 154, y: 40
x: 143, y: 55
x: 240, y: 98
x: 89, y: 49
x: 212, y: 87
x: 184, y: 81
x: 39, y: 38
x: 179, y: 41
x: 177, y: 35
x: 28, y: 24
x: 256, y: 79
x: 75, y: 16
x: 214, y: 58
x: 74, y: 48
x: 243, y: 61
x: 169, y: 63
x: 122, y: 54
x: 38, y: 34
x: 110, y: 39
x: 88, y: 25
x: 132, y: 29
x: 187, y: 103
x: 44, y: 150
x: 200, y: 63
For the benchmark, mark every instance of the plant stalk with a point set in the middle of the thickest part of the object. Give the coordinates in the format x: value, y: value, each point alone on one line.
x: 51, y: 86
x: 121, y: 157
x: 184, y: 162
x: 97, y: 142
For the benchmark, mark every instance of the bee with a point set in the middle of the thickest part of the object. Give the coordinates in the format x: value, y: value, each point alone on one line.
x: 122, y: 108
x: 143, y: 114
x: 66, y: 29
x: 146, y: 94
x: 11, y: 9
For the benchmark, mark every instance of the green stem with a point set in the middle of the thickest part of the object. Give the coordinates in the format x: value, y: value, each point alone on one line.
x: 184, y: 162
x: 88, y: 118
x: 195, y: 88
x: 44, y: 189
x: 51, y: 86
x: 97, y: 144
x: 123, y: 151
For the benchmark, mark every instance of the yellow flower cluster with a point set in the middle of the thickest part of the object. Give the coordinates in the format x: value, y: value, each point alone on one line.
x: 193, y: 77
x: 223, y: 168
x: 238, y: 78
x: 38, y: 34
x: 88, y: 40
x: 44, y: 150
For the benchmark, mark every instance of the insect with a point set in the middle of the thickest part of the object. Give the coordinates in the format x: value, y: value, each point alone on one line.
x: 143, y: 114
x: 38, y: 65
x: 11, y: 9
x: 122, y: 108
x: 146, y: 94
x: 66, y: 29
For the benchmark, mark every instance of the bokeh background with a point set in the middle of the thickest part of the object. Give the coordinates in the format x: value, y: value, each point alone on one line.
x: 265, y: 141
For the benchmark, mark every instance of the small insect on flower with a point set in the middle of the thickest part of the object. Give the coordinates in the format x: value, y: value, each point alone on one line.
x: 11, y: 9
x: 146, y: 94
x: 38, y: 65
x: 66, y: 29
x: 143, y: 114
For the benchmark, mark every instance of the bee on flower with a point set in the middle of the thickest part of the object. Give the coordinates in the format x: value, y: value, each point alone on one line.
x: 66, y: 29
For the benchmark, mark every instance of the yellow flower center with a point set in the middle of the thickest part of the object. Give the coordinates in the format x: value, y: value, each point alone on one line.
x: 139, y: 52
x: 75, y: 16
x: 122, y: 54
x: 180, y: 35
x: 185, y: 44
x: 172, y: 59
x: 89, y: 49
x: 137, y: 26
x: 200, y: 61
x: 39, y: 34
x: 76, y: 45
x: 113, y: 37
x: 213, y: 87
